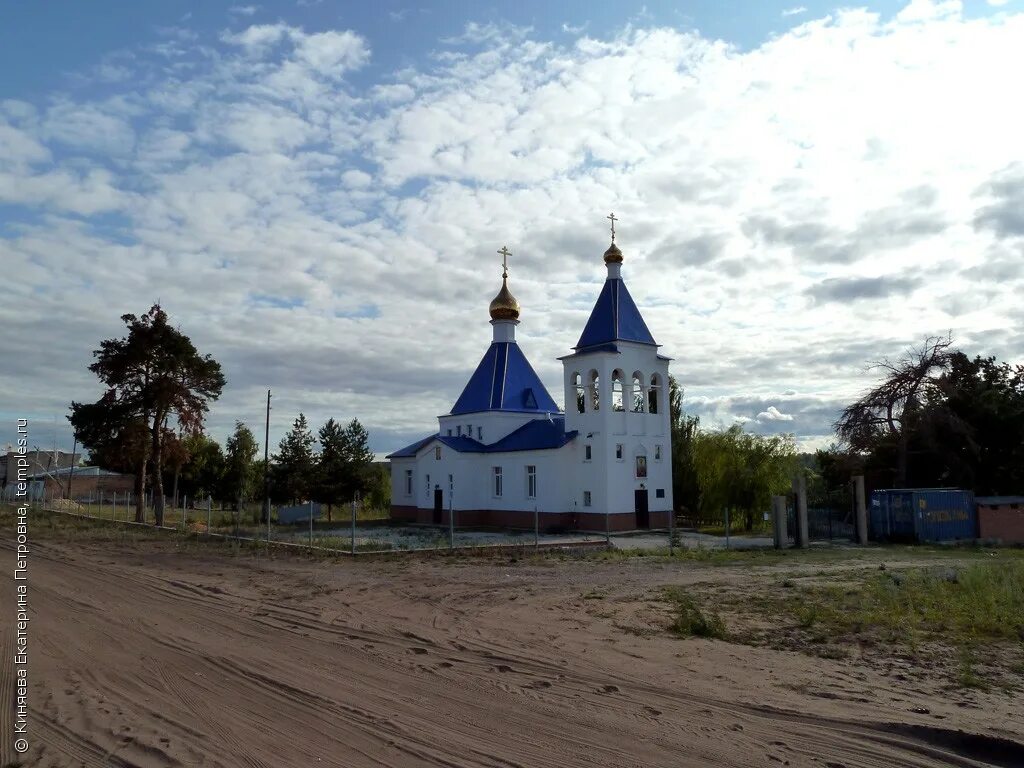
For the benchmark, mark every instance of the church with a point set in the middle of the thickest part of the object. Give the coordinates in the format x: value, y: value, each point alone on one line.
x: 507, y: 455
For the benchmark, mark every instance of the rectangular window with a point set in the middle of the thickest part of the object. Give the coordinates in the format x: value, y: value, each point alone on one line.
x: 480, y: 433
x: 437, y: 453
x: 641, y: 466
x: 469, y: 431
x: 531, y: 481
x: 586, y: 498
x: 586, y: 454
x: 618, y: 451
x: 458, y: 431
x: 408, y: 482
x: 659, y: 493
x: 657, y: 453
x: 497, y: 481
x: 428, y: 486
x: 449, y: 433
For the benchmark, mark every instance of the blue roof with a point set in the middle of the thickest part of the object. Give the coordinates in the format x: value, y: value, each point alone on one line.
x: 504, y: 381
x: 534, y: 435
x: 615, y: 318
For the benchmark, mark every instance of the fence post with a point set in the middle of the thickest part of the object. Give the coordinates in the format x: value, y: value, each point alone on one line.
x: 451, y: 520
x: 779, y: 519
x: 727, y: 526
x: 184, y: 512
x: 671, y: 532
x: 310, y: 527
x: 607, y: 529
x: 536, y: 527
x: 802, y: 535
x: 862, y: 512
x: 353, y: 525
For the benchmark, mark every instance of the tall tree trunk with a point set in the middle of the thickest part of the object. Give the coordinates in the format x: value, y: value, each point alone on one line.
x: 174, y: 492
x: 157, y: 468
x: 140, y: 492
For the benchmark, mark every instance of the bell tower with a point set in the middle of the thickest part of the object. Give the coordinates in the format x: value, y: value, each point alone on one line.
x: 616, y: 397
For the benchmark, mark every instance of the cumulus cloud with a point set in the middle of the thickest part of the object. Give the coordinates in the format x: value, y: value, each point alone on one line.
x: 787, y: 211
x: 774, y: 414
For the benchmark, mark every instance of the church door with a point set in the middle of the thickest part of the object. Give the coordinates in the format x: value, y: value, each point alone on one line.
x: 438, y: 506
x: 643, y: 519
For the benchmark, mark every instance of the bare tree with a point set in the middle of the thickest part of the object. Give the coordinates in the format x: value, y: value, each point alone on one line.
x: 889, y: 410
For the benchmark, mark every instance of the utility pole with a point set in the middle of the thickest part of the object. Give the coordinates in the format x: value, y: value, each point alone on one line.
x: 266, y: 468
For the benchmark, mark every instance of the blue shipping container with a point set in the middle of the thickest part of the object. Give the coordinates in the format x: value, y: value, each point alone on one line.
x: 923, y: 514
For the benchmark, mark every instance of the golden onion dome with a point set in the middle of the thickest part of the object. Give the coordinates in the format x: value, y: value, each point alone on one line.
x: 504, y: 306
x: 613, y: 255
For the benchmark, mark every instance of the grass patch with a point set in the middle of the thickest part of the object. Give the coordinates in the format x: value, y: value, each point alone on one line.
x: 689, y: 620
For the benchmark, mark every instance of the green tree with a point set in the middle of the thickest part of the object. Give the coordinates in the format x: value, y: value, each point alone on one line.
x: 378, y: 491
x: 240, y: 467
x: 685, y: 486
x: 333, y: 466
x: 154, y: 374
x: 294, y: 464
x: 360, y: 458
x: 740, y: 470
x: 203, y: 473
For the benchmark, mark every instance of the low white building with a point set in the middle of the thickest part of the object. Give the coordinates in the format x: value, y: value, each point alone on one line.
x: 506, y: 452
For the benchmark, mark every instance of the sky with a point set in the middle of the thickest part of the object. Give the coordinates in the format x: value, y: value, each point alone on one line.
x: 315, y: 192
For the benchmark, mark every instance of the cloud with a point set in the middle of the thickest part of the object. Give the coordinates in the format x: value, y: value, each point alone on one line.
x: 243, y: 10
x: 851, y: 289
x: 794, y: 11
x: 774, y: 414
x: 1004, y: 216
x: 786, y: 211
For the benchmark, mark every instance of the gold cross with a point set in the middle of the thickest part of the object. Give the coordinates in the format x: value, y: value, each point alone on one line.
x: 505, y: 253
x: 612, y: 217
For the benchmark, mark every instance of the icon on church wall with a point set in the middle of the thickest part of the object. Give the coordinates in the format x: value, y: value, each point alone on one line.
x: 641, y: 466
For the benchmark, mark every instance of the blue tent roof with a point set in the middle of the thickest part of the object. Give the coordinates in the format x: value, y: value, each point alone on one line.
x: 504, y: 381
x: 535, y: 435
x: 615, y: 318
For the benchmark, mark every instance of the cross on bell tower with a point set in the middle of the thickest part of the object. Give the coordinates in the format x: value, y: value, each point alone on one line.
x: 505, y: 253
x: 613, y: 219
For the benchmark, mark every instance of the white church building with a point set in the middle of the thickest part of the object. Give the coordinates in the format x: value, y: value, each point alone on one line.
x: 506, y: 454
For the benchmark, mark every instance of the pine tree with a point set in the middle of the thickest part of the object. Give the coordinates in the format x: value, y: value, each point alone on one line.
x: 333, y: 466
x: 294, y: 463
x: 360, y: 458
x: 240, y: 467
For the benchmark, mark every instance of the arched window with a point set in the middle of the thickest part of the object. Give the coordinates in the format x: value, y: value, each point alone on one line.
x: 638, y: 392
x: 618, y: 403
x: 581, y: 397
x: 654, y: 393
x: 595, y: 391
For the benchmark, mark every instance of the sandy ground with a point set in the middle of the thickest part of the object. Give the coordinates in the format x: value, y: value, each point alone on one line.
x: 151, y: 656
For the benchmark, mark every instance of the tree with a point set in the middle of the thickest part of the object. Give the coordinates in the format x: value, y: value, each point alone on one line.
x: 239, y: 466
x: 685, y: 489
x: 740, y: 470
x: 378, y: 492
x: 116, y: 434
x: 175, y: 456
x: 203, y: 473
x: 294, y: 464
x: 360, y: 458
x: 333, y: 465
x: 156, y: 375
x: 888, y: 413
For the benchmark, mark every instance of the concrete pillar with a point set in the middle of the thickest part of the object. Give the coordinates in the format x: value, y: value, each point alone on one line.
x: 862, y: 510
x: 779, y: 521
x: 802, y: 537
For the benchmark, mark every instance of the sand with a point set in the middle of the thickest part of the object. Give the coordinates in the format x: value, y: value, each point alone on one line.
x: 150, y: 656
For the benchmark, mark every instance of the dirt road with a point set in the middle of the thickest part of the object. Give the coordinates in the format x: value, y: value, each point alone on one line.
x: 158, y: 657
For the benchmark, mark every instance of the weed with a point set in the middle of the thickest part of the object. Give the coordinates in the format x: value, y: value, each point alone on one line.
x: 690, y: 620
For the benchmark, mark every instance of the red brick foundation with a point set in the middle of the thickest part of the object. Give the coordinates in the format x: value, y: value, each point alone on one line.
x: 524, y: 519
